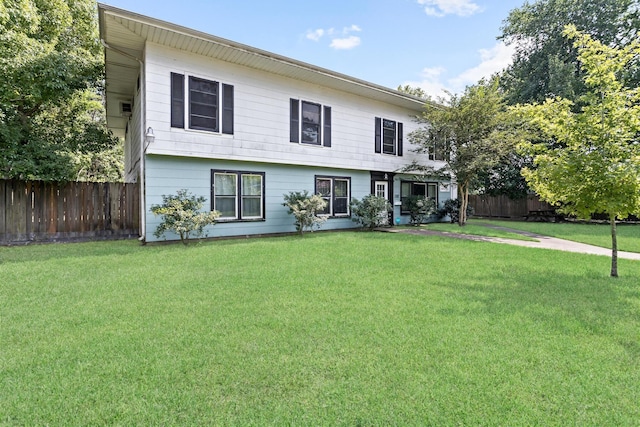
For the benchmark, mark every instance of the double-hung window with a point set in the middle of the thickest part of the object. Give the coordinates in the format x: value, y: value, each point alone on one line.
x: 439, y: 151
x: 238, y: 195
x: 208, y: 104
x: 309, y: 123
x: 388, y: 136
x: 421, y: 189
x: 336, y: 192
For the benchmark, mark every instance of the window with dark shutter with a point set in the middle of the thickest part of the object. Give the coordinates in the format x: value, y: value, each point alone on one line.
x: 177, y: 100
x: 227, y: 109
x: 378, y: 133
x: 388, y: 136
x: 294, y: 124
x: 203, y: 104
x: 309, y: 123
x: 327, y: 127
x: 210, y: 103
x: 400, y: 135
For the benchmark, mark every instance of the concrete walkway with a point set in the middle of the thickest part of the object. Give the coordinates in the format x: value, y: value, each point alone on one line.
x: 543, y: 242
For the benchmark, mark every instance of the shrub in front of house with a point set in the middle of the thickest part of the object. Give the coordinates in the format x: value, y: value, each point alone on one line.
x: 181, y: 215
x: 451, y: 208
x: 307, y: 210
x: 420, y: 208
x: 371, y: 212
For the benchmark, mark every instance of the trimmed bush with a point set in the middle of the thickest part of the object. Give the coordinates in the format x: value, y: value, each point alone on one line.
x: 306, y: 210
x: 180, y: 214
x: 371, y: 212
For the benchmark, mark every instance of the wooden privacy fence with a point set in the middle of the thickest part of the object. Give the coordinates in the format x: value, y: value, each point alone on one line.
x: 504, y: 207
x: 36, y: 211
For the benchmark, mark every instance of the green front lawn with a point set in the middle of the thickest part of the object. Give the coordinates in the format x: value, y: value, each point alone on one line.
x: 474, y: 228
x: 346, y: 328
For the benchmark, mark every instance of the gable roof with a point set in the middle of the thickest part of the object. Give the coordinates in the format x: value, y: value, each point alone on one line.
x: 125, y: 33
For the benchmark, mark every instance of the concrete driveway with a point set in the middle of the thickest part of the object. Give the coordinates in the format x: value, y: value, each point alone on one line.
x: 543, y: 242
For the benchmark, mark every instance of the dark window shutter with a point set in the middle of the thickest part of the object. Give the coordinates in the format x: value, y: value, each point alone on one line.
x: 378, y: 131
x: 294, y: 126
x: 327, y: 127
x: 227, y: 109
x: 399, y: 139
x: 177, y: 100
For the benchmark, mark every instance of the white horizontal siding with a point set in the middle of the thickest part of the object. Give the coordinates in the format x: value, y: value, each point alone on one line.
x: 261, y: 117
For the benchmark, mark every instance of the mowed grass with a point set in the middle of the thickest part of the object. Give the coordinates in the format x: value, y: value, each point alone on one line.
x: 346, y: 328
x: 597, y: 234
x: 474, y: 228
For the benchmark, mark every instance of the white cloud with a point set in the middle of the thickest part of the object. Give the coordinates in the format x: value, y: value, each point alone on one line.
x: 315, y: 35
x: 431, y: 82
x: 441, y: 8
x: 435, y: 83
x: 345, y: 43
x: 354, y: 27
x: 493, y: 61
x: 337, y: 42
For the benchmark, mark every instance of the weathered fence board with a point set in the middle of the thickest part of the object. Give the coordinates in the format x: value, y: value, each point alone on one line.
x: 504, y: 207
x: 41, y: 211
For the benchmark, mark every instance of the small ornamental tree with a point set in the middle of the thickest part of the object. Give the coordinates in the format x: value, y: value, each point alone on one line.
x: 306, y: 210
x: 593, y: 166
x: 471, y: 131
x: 181, y: 215
x: 371, y: 212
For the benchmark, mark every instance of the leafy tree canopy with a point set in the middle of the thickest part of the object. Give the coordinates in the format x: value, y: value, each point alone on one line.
x: 545, y: 63
x: 50, y: 73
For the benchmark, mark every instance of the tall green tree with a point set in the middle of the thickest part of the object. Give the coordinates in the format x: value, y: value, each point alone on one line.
x: 50, y: 74
x: 472, y: 131
x: 593, y: 166
x: 545, y: 63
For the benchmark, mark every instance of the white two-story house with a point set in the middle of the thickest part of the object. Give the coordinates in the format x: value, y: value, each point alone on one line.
x: 242, y: 127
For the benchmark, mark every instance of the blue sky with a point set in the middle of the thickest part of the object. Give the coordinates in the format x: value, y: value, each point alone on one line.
x: 433, y: 44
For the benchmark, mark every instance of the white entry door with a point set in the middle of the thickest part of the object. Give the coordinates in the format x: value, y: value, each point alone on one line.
x: 382, y: 190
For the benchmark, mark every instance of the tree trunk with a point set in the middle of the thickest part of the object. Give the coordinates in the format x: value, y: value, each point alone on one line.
x: 463, y: 193
x: 614, y: 247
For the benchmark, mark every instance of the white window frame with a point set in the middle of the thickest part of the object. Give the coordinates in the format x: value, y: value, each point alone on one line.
x: 239, y: 196
x: 331, y: 197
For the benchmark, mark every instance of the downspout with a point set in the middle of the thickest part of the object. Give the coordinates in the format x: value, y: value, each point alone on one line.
x: 143, y: 120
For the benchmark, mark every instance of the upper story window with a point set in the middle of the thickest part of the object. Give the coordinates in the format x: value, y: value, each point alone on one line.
x: 310, y: 123
x: 336, y: 192
x: 210, y: 104
x: 238, y: 195
x: 388, y: 136
x: 439, y: 151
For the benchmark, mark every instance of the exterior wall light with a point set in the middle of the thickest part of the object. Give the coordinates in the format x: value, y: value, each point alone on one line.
x: 149, y: 137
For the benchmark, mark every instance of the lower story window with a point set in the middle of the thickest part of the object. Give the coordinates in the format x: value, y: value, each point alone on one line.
x: 336, y: 192
x: 412, y: 188
x: 238, y: 195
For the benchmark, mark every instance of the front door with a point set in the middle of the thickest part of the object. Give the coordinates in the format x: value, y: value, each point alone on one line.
x: 382, y: 190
